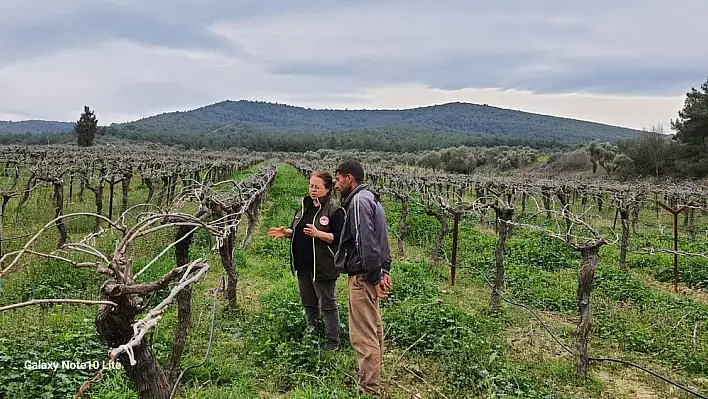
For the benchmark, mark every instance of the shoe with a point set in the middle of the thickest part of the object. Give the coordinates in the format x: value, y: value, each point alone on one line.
x: 328, y: 346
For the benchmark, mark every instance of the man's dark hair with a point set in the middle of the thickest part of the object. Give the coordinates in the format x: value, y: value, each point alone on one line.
x: 353, y: 168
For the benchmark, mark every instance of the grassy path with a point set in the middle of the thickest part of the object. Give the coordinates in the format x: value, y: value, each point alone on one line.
x: 441, y: 341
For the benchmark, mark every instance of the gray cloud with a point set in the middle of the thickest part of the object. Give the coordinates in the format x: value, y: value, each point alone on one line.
x: 91, y: 25
x: 180, y: 24
x: 134, y: 58
x: 140, y: 96
x: 622, y: 79
x: 603, y: 48
x: 570, y: 76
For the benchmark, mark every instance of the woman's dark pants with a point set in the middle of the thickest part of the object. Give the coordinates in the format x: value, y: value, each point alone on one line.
x: 318, y: 296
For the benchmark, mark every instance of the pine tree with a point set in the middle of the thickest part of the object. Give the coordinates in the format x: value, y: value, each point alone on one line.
x: 692, y: 132
x: 692, y: 124
x: 86, y: 127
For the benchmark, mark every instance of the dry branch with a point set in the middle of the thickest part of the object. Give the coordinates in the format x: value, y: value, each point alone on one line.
x: 141, y: 327
x: 42, y: 301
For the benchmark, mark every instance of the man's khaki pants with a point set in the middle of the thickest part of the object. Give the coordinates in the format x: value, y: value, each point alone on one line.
x: 366, y: 331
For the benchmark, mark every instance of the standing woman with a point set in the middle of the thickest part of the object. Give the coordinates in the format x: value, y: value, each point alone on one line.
x: 314, y: 234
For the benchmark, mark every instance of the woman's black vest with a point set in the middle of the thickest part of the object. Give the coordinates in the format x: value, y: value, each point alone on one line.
x: 323, y: 265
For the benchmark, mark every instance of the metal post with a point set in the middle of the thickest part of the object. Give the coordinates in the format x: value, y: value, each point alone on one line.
x: 675, y: 212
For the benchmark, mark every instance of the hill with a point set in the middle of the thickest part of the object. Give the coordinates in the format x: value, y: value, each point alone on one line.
x: 35, y: 126
x: 269, y: 126
x: 255, y: 124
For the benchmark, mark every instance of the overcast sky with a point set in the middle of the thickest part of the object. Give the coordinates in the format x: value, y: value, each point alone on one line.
x: 622, y: 62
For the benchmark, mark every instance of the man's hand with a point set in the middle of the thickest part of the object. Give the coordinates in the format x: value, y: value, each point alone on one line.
x: 277, y: 232
x: 384, y: 286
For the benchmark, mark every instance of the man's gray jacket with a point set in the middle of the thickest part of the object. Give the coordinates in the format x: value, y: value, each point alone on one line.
x: 363, y: 245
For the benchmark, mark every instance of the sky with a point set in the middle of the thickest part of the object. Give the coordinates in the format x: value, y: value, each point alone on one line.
x: 621, y: 62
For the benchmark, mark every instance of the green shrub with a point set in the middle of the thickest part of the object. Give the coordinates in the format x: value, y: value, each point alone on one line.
x: 542, y: 252
x: 691, y: 272
x: 552, y: 291
x: 411, y: 281
x: 79, y: 344
x: 50, y: 279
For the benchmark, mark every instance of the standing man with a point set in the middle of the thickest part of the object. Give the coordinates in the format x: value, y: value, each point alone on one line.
x: 364, y: 255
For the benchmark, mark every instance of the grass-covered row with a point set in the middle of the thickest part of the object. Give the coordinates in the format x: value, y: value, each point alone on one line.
x: 439, y: 340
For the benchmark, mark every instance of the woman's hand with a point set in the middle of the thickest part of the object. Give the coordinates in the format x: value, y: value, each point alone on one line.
x: 312, y: 231
x: 278, y: 232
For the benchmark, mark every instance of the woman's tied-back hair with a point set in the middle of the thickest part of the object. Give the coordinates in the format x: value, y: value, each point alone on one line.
x: 326, y: 178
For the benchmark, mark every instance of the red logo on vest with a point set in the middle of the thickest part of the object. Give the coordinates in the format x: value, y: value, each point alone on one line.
x: 324, y: 220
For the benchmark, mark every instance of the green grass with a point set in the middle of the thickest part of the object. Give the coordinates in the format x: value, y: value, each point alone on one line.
x: 440, y: 340
x: 64, y: 332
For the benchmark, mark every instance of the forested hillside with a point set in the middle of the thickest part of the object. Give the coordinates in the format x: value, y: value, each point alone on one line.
x: 261, y: 125
x: 35, y: 126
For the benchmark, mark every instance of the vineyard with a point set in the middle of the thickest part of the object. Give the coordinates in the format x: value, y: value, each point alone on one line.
x: 153, y: 267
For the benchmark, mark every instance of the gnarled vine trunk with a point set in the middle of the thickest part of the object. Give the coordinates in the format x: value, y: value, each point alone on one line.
x: 624, y: 217
x: 251, y: 218
x: 636, y: 207
x: 115, y: 328
x: 546, y: 194
x: 163, y: 191
x: 26, y: 194
x: 151, y: 188
x: 226, y: 251
x: 58, y: 210
x: 582, y: 331
x: 402, y: 226
x: 504, y: 215
x: 184, y: 306
x: 98, y: 195
x: 435, y: 252
x: 125, y: 186
x: 5, y: 199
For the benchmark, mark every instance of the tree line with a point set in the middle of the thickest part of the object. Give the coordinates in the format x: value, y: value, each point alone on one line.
x: 651, y: 153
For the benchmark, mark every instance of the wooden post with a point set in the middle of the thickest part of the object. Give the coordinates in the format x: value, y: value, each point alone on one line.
x: 624, y: 215
x: 455, y: 231
x: 676, y: 251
